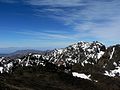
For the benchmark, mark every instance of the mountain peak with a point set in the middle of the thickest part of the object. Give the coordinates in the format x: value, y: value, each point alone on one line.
x: 83, y: 53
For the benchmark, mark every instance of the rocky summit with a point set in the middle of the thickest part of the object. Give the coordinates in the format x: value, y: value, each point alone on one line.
x: 80, y: 66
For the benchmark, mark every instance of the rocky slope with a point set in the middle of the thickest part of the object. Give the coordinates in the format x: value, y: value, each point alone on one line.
x: 91, y: 61
x: 83, y: 53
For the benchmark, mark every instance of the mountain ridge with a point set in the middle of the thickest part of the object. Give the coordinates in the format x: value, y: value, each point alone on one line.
x: 87, y: 60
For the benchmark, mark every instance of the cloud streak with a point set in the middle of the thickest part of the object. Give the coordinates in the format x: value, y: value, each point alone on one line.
x: 48, y: 35
x: 88, y: 18
x: 52, y: 39
x: 56, y: 3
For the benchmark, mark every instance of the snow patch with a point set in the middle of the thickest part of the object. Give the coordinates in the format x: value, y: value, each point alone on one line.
x: 1, y: 69
x: 27, y: 63
x: 113, y: 73
x: 115, y: 64
x: 96, y: 81
x: 59, y: 51
x: 99, y: 55
x: 112, y: 53
x: 1, y: 59
x: 37, y: 55
x: 81, y: 75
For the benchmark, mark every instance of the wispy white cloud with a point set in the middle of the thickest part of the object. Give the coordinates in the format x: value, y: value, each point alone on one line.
x: 56, y: 3
x: 48, y: 35
x: 51, y: 39
x: 98, y: 19
x: 103, y: 19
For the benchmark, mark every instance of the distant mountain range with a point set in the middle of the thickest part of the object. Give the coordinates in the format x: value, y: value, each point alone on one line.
x: 10, y: 50
x: 24, y: 52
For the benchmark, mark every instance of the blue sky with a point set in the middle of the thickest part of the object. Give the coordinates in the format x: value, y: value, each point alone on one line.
x: 58, y: 23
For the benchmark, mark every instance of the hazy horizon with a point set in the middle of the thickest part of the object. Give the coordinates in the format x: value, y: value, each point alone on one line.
x: 8, y: 50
